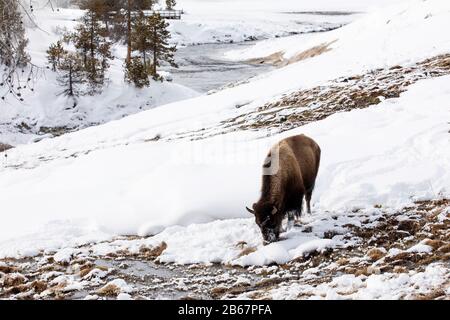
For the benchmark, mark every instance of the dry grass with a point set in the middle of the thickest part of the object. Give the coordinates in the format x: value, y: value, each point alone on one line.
x: 304, y: 106
x: 152, y: 252
x: 39, y: 286
x: 13, y: 279
x: 8, y: 269
x: 109, y: 290
x: 277, y: 58
x: 246, y: 251
x: 84, y: 271
x: 310, y: 53
x: 375, y: 254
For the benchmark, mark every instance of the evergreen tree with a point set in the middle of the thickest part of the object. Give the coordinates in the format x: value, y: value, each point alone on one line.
x: 170, y: 4
x: 71, y: 74
x: 141, y: 39
x: 90, y: 41
x: 54, y: 54
x: 136, y: 72
x: 103, y: 9
x: 125, y: 12
x: 162, y: 51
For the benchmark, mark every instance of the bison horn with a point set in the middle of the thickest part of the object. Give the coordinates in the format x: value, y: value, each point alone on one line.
x: 250, y: 210
x: 274, y: 210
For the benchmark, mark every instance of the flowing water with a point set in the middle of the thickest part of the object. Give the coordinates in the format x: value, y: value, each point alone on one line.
x: 203, y: 67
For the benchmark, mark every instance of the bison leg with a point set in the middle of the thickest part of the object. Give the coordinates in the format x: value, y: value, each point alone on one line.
x: 308, y: 201
x: 291, y: 219
x: 298, y: 209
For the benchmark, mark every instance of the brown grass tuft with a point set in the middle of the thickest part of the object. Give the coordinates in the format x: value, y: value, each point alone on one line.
x: 14, y: 279
x: 85, y: 270
x: 8, y: 269
x: 39, y: 286
x: 375, y: 254
x: 246, y: 251
x: 109, y: 290
x: 153, y: 252
x: 310, y: 53
x: 277, y: 58
x: 444, y: 248
x: 435, y: 244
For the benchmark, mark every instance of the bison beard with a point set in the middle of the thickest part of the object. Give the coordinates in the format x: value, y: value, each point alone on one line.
x: 282, y: 193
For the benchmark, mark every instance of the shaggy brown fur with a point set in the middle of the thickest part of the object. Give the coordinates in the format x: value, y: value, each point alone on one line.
x: 297, y: 159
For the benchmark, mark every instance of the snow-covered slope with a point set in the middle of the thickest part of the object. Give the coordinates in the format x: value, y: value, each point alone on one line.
x: 127, y: 177
x: 44, y: 110
x: 45, y: 107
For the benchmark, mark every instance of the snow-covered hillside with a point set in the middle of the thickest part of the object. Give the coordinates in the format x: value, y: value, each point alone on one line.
x: 44, y: 112
x: 176, y: 172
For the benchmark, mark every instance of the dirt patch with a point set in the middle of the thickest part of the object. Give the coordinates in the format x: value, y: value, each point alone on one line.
x: 310, y: 53
x: 277, y: 58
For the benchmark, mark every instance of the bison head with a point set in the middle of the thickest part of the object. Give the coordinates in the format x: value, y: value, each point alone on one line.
x: 268, y: 220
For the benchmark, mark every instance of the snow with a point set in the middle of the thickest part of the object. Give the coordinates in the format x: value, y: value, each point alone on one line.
x: 114, y: 179
x: 131, y: 200
x: 124, y: 296
x: 420, y: 248
x: 386, y: 286
x: 121, y: 284
x: 46, y: 107
x: 388, y: 35
x: 211, y: 21
x: 64, y: 255
x: 204, y: 22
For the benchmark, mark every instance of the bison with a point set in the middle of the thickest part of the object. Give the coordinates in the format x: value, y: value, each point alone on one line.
x: 289, y: 173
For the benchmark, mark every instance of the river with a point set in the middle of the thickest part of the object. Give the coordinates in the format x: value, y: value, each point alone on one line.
x: 204, y: 68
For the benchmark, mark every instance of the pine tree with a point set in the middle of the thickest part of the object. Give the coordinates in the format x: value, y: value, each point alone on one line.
x: 71, y: 74
x: 125, y: 12
x: 141, y: 39
x: 54, y: 54
x: 162, y: 51
x: 91, y: 43
x: 170, y: 4
x: 102, y: 9
x: 136, y: 72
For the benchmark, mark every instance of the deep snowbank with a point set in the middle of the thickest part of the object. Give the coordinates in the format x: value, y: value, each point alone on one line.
x: 389, y: 155
x: 117, y: 179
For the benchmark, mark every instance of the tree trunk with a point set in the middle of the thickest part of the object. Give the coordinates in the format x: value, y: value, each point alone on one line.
x: 145, y: 58
x: 92, y: 45
x: 154, y: 62
x: 155, y: 55
x: 129, y: 31
x: 92, y: 38
x: 70, y: 80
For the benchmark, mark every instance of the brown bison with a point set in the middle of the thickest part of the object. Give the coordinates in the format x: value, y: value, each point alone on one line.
x: 289, y: 173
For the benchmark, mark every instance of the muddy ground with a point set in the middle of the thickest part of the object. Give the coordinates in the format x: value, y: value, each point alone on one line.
x: 383, y: 247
